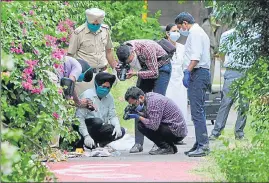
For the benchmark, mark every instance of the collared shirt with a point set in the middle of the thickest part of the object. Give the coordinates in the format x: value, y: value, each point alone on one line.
x: 151, y: 51
x: 197, y: 47
x: 105, y: 110
x: 71, y: 67
x: 90, y: 46
x: 234, y: 47
x: 160, y: 109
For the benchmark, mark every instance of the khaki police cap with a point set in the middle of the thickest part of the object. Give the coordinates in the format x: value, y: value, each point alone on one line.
x: 95, y: 14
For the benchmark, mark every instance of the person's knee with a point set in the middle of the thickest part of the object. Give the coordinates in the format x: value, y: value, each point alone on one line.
x: 141, y: 127
x: 123, y: 132
x: 94, y: 122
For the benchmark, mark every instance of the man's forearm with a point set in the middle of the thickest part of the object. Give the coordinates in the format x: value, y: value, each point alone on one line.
x: 110, y: 58
x: 192, y: 65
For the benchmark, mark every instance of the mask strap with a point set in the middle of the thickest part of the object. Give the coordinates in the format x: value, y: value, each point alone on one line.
x: 87, y: 70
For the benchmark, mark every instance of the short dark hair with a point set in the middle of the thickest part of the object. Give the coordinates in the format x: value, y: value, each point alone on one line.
x: 184, y: 16
x: 123, y: 52
x: 134, y: 93
x: 88, y: 75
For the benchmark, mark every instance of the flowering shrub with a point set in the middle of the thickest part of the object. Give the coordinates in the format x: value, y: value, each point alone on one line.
x: 36, y: 36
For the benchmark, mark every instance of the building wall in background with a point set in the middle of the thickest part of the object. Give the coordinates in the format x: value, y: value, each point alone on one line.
x: 170, y: 9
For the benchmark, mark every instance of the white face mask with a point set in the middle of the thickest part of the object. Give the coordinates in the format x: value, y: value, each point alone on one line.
x: 135, y: 64
x: 174, y: 36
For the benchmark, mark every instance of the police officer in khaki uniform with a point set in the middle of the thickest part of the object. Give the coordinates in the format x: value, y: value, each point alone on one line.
x: 92, y: 42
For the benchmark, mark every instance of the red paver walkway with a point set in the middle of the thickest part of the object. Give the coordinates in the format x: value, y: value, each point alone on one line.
x: 124, y: 171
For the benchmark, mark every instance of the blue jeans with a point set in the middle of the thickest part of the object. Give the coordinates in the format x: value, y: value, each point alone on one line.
x: 158, y: 85
x: 199, y: 83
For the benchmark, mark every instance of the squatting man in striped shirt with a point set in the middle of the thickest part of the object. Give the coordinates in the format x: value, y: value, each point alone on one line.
x: 159, y: 119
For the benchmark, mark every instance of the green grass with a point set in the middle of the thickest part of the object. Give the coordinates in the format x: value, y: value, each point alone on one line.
x: 209, y: 169
x: 118, y: 92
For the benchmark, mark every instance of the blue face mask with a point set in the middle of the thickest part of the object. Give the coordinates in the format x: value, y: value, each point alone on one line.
x: 93, y: 27
x: 184, y: 32
x: 82, y: 75
x: 101, y: 91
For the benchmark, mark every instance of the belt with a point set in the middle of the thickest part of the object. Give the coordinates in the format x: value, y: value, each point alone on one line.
x: 97, y: 70
x: 195, y: 69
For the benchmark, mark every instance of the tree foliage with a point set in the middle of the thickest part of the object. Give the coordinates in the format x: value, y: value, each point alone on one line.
x: 36, y: 34
x: 249, y: 163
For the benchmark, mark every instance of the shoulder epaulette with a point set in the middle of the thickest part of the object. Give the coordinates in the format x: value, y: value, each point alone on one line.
x: 105, y: 26
x: 79, y: 29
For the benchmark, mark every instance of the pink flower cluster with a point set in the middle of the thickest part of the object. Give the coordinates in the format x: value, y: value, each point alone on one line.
x: 17, y: 50
x: 55, y: 115
x: 58, y: 54
x: 65, y: 26
x: 50, y: 41
x: 27, y: 76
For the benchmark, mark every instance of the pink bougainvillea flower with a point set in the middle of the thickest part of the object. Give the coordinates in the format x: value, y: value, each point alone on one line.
x: 24, y: 31
x: 31, y: 12
x: 31, y: 63
x: 41, y: 85
x: 21, y: 22
x: 50, y: 40
x: 55, y: 115
x: 27, y: 86
x: 36, y: 52
x: 63, y: 39
x: 60, y: 91
x: 58, y: 54
x: 66, y: 3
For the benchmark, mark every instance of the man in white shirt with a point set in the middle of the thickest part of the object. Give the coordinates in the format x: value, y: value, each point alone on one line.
x: 196, y: 67
x: 232, y: 73
x: 99, y: 122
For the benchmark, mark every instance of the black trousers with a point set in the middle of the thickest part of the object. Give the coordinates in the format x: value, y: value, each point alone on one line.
x: 163, y: 137
x: 101, y: 133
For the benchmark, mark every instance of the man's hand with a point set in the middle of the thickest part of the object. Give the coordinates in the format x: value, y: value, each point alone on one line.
x: 117, y: 131
x: 83, y: 102
x: 133, y: 116
x: 89, y: 142
x: 186, y: 78
x: 130, y: 74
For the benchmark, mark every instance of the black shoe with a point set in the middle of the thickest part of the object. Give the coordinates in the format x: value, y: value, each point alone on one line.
x: 213, y: 137
x: 136, y: 148
x: 191, y: 150
x: 200, y: 152
x: 160, y: 151
x: 240, y: 137
x: 174, y: 148
x: 180, y: 142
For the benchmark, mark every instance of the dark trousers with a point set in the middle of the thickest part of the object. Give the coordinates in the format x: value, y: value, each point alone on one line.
x: 158, y: 85
x: 101, y: 133
x: 200, y: 82
x: 226, y: 103
x: 163, y: 137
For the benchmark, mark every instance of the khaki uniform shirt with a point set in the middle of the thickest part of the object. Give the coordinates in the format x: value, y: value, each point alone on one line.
x: 90, y: 46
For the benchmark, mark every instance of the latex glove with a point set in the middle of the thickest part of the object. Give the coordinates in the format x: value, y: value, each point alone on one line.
x: 89, y: 142
x: 117, y: 131
x: 186, y: 78
x: 133, y: 116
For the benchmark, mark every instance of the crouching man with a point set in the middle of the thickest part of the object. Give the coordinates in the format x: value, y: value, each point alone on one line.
x: 98, y: 122
x: 160, y: 120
